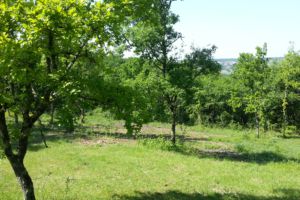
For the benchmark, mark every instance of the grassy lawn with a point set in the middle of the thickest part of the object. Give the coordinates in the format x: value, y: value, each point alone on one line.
x: 209, y: 164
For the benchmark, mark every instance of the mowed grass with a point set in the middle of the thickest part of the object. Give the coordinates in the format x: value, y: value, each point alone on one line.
x: 207, y: 164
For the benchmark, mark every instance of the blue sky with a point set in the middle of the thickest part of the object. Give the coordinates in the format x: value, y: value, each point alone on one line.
x: 236, y: 26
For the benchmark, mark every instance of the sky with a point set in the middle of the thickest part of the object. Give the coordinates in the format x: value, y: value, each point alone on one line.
x: 237, y: 26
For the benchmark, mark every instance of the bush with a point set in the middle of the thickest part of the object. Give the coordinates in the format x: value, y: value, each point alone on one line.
x: 241, y: 148
x: 163, y: 144
x: 66, y: 119
x: 291, y: 130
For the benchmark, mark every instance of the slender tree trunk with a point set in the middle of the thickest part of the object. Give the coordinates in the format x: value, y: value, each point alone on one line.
x: 284, y: 111
x: 23, y: 178
x: 82, y: 115
x: 13, y: 92
x: 51, y: 114
x: 16, y: 118
x: 44, y: 138
x: 173, y: 139
x: 257, y: 125
x: 41, y: 132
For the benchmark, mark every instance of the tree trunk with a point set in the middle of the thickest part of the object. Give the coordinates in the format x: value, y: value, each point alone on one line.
x: 41, y: 132
x: 51, y: 114
x: 284, y: 111
x: 173, y: 139
x: 13, y: 92
x: 16, y: 160
x: 9, y: 114
x: 23, y: 178
x: 16, y: 118
x: 257, y: 125
x: 82, y: 115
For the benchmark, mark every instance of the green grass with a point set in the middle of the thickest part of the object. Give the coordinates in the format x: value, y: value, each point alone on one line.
x: 209, y: 164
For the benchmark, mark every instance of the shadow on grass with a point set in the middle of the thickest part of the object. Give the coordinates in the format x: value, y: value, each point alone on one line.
x: 119, y: 135
x: 177, y: 195
x: 53, y: 134
x: 86, y: 131
x: 257, y: 157
x: 289, y: 193
x: 290, y: 136
x: 58, y: 134
x: 251, y: 157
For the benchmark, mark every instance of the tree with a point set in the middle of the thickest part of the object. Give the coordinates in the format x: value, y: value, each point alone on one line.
x: 211, y: 100
x: 201, y: 61
x: 127, y: 88
x: 250, y: 75
x: 288, y: 76
x: 154, y: 40
x: 41, y: 42
x: 198, y: 64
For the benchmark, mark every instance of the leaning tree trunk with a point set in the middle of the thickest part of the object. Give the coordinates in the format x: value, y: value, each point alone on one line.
x: 23, y: 178
x: 17, y: 163
x: 16, y: 160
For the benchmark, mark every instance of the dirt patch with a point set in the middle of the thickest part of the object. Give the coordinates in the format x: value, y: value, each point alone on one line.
x: 146, y: 129
x: 106, y: 141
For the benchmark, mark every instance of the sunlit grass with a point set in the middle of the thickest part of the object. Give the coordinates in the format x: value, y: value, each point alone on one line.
x: 206, y: 164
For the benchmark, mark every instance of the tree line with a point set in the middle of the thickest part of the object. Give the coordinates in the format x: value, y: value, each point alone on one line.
x: 65, y: 58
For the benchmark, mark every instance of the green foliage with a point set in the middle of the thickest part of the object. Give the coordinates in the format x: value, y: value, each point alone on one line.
x: 70, y: 54
x: 41, y: 44
x: 65, y: 118
x: 257, y: 89
x: 44, y: 45
x: 154, y: 37
x: 289, y: 82
x: 241, y: 148
x: 127, y: 88
x: 163, y: 144
x: 289, y: 71
x: 201, y: 61
x: 250, y: 75
x: 212, y: 95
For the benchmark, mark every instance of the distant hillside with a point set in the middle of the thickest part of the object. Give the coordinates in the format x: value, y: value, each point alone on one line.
x: 228, y: 63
